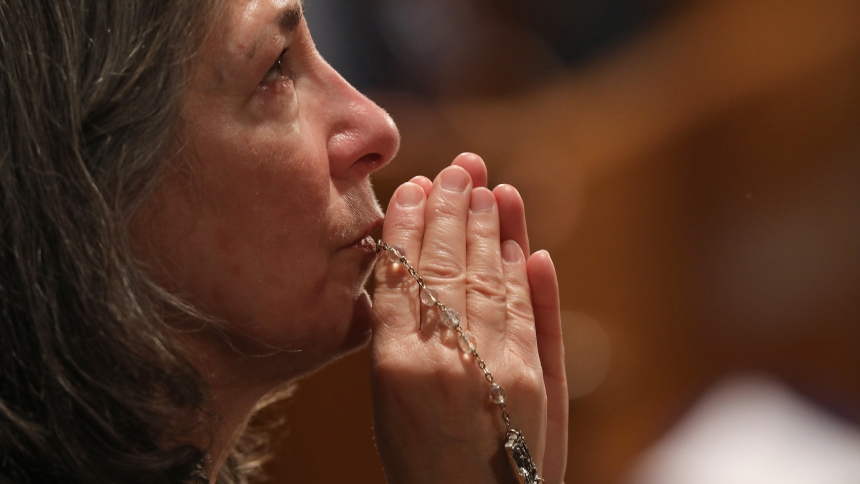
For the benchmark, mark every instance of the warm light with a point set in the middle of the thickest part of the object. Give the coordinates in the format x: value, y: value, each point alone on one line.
x: 586, y: 353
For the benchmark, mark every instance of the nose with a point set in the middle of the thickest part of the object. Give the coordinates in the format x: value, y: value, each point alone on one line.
x: 362, y: 137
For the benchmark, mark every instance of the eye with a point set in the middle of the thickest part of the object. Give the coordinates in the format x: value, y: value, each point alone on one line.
x: 278, y: 71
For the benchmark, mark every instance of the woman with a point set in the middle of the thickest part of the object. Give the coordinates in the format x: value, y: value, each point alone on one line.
x: 186, y: 224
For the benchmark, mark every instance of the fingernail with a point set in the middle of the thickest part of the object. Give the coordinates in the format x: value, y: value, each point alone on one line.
x: 511, y: 251
x: 482, y: 200
x: 409, y: 195
x: 455, y: 179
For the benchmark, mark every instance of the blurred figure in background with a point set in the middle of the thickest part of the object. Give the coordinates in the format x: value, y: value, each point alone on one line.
x: 694, y: 166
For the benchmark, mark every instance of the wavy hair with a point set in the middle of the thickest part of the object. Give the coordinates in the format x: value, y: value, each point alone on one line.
x: 92, y: 388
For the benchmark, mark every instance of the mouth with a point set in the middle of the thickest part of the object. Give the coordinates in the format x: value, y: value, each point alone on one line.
x: 365, y: 241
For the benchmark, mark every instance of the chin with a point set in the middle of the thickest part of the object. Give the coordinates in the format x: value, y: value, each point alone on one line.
x: 343, y: 329
x: 356, y: 336
x: 318, y: 353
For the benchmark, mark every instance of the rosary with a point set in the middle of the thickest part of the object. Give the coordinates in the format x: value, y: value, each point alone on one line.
x: 515, y: 443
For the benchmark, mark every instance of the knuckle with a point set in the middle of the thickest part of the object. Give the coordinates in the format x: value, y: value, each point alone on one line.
x: 537, y: 390
x: 488, y: 284
x: 530, y: 380
x: 406, y: 227
x: 447, y: 268
x: 484, y: 230
x: 447, y: 206
x: 520, y: 308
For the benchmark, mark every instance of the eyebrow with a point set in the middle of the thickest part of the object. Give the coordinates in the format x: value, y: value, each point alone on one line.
x: 287, y: 20
x: 290, y: 18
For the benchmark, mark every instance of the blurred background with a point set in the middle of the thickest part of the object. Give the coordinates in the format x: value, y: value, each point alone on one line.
x: 693, y: 166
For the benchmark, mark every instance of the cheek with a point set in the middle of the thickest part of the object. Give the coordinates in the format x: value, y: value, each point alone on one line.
x: 268, y: 201
x: 246, y: 235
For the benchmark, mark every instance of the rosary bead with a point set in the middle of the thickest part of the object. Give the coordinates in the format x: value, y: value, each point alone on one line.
x: 467, y: 343
x: 497, y: 393
x: 429, y: 296
x: 395, y: 253
x: 451, y: 318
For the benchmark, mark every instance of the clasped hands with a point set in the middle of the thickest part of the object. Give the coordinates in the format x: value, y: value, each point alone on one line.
x: 433, y: 418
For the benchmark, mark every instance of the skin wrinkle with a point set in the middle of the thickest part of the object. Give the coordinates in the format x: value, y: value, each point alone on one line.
x: 486, y: 284
x: 400, y: 389
x: 286, y: 195
x: 269, y: 251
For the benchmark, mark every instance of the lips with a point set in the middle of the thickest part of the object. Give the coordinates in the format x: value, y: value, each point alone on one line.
x: 364, y: 241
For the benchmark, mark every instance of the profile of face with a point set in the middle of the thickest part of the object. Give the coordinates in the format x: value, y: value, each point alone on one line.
x: 264, y: 221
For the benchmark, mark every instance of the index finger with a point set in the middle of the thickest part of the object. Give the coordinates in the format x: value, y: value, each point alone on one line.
x: 394, y: 298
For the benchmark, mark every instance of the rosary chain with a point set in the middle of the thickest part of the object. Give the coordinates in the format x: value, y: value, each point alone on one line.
x: 523, y: 465
x: 401, y: 258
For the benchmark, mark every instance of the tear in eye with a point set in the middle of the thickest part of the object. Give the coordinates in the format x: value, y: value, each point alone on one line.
x: 278, y: 70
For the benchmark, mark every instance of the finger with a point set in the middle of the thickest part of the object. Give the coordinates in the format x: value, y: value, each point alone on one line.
x: 520, y: 338
x: 443, y: 252
x: 519, y: 323
x: 485, y: 283
x: 394, y: 300
x: 424, y: 183
x: 545, y: 300
x: 476, y: 167
x: 512, y: 216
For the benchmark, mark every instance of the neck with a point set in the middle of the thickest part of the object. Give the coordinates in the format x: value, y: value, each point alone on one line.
x: 241, y: 375
x: 238, y: 383
x: 233, y: 411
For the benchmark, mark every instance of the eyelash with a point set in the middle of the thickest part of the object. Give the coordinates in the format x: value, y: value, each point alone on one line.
x: 277, y: 71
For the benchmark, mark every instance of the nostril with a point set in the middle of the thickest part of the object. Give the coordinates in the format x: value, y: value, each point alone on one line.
x: 369, y: 162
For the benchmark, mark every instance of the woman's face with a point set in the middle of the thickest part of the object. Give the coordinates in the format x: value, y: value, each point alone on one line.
x: 266, y: 226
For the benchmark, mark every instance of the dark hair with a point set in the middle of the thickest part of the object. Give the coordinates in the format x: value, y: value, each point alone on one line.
x: 92, y: 387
